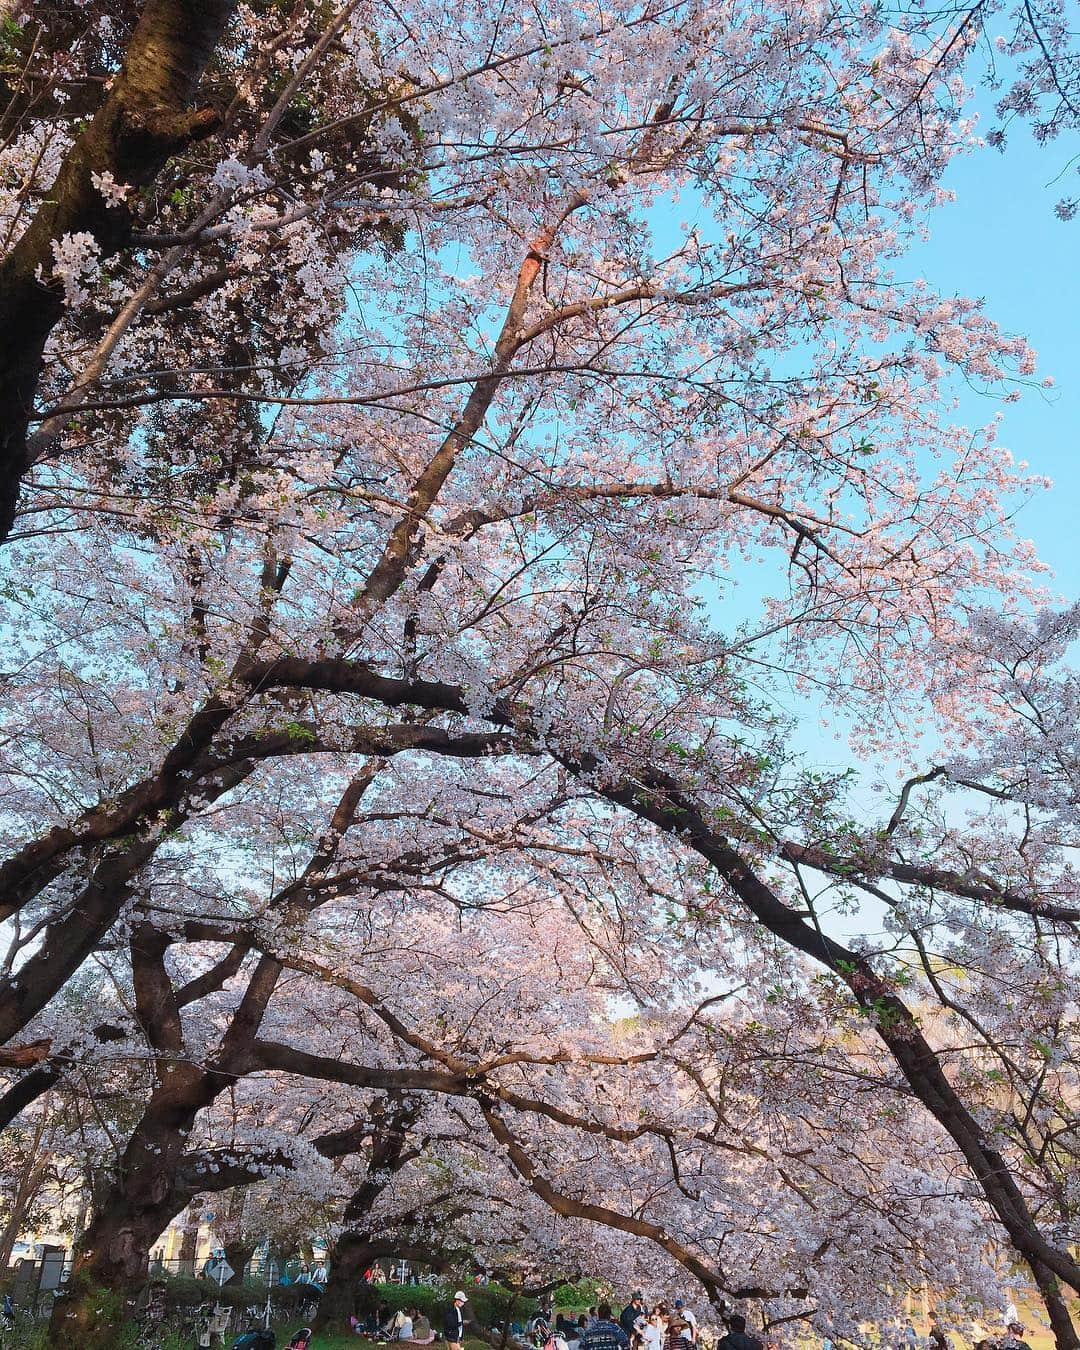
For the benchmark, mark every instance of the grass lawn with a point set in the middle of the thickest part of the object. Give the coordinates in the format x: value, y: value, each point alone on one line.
x: 1039, y: 1337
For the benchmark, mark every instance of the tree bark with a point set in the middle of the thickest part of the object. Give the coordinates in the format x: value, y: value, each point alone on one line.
x: 110, y: 1264
x: 109, y: 1273
x: 238, y: 1254
x: 392, y: 1120
x: 353, y: 1253
x: 145, y: 118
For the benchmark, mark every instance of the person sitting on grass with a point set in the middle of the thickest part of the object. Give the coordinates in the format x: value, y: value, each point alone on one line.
x: 422, y: 1333
x: 390, y: 1325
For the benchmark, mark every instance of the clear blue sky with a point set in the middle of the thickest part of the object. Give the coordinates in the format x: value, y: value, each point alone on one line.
x: 1000, y: 240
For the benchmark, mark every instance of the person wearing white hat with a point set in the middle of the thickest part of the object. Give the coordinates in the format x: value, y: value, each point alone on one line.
x: 454, y: 1326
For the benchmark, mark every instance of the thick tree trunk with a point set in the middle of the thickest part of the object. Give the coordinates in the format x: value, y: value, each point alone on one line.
x: 145, y: 118
x: 109, y: 1274
x: 111, y: 1257
x: 189, y: 1246
x: 238, y: 1246
x: 238, y: 1254
x: 351, y: 1256
x: 156, y: 1177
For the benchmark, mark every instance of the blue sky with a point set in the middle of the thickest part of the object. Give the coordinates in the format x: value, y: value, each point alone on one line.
x: 1000, y: 240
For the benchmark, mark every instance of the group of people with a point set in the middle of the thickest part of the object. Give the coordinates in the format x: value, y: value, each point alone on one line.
x: 1012, y: 1340
x: 938, y: 1338
x: 409, y: 1326
x: 637, y: 1327
x: 311, y: 1284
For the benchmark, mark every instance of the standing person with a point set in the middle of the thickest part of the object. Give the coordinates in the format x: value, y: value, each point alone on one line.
x: 1014, y: 1340
x: 454, y: 1325
x: 690, y: 1331
x: 737, y: 1338
x: 630, y: 1314
x: 652, y: 1331
x: 606, y: 1333
x: 674, y: 1333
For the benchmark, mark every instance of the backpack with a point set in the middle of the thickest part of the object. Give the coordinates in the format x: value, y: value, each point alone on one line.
x: 257, y: 1339
x: 302, y: 1339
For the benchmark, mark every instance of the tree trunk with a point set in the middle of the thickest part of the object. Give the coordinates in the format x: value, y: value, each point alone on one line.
x: 108, y: 1276
x: 155, y: 1179
x: 145, y: 117
x: 351, y: 1256
x: 238, y: 1254
x: 112, y: 1256
x: 238, y: 1246
x: 189, y: 1246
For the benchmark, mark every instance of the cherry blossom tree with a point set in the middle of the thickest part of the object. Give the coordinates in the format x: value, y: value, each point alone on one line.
x: 164, y: 162
x: 381, y: 438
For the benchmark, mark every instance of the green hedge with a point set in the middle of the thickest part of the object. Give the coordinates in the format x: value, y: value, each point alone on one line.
x: 491, y: 1303
x: 431, y: 1302
x: 186, y: 1291
x: 583, y: 1295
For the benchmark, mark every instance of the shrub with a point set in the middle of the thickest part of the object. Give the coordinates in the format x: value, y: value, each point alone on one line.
x: 494, y: 1303
x: 490, y: 1302
x: 188, y: 1291
x: 582, y: 1295
x: 431, y: 1302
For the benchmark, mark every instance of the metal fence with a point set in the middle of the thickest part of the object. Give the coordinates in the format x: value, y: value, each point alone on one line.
x: 35, y: 1282
x: 211, y: 1318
